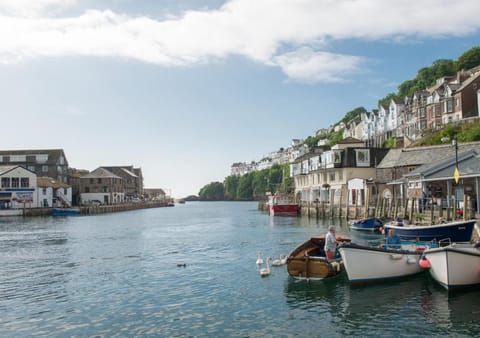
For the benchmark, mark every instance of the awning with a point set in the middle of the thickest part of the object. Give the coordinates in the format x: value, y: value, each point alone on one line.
x: 5, y: 196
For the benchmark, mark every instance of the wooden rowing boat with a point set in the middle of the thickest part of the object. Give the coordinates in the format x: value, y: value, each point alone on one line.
x: 308, y: 261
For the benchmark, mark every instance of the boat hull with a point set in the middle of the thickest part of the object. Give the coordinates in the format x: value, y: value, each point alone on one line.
x: 368, y: 264
x: 284, y: 210
x: 369, y: 224
x: 455, y: 266
x: 308, y: 261
x: 454, y: 231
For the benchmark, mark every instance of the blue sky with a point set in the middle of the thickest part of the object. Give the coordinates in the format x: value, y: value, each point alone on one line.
x: 183, y: 89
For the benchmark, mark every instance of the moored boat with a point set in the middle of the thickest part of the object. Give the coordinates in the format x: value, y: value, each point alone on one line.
x: 374, y: 264
x: 65, y: 211
x: 455, y: 266
x: 370, y: 224
x: 308, y: 261
x: 459, y: 231
x: 282, y: 205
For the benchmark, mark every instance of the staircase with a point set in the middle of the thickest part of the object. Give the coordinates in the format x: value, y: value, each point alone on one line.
x: 64, y: 200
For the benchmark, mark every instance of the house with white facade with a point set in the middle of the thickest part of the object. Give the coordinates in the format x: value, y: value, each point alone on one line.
x: 17, y: 187
x: 51, y: 193
x: 324, y: 175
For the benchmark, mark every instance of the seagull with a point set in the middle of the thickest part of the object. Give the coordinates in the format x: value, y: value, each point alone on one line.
x: 264, y: 272
x: 259, y: 259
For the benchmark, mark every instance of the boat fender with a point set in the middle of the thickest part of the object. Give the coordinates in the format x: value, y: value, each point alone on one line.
x: 424, y: 262
x: 335, y: 266
x: 396, y: 256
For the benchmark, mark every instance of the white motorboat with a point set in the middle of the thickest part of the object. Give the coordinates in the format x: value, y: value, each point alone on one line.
x: 454, y: 266
x: 374, y: 264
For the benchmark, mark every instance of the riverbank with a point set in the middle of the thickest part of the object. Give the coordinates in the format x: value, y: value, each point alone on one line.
x: 87, y: 210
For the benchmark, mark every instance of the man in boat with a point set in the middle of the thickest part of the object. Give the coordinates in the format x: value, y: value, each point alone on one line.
x: 393, y: 240
x: 330, y: 243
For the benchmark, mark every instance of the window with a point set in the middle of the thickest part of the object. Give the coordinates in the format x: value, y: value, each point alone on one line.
x: 87, y: 189
x: 24, y: 182
x: 18, y: 158
x: 45, y: 168
x: 99, y: 180
x: 362, y: 157
x: 42, y: 158
x: 332, y: 177
x: 65, y: 191
x: 340, y: 175
x: 44, y: 191
x: 5, y: 182
x: 15, y: 182
x: 30, y: 158
x: 422, y: 112
x: 6, y: 158
x: 457, y: 102
x: 31, y: 168
x: 91, y: 181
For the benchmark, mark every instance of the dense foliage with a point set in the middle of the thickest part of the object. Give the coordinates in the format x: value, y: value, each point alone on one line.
x: 251, y: 186
x: 468, y: 132
x: 212, y: 192
x: 427, y: 76
x: 353, y: 114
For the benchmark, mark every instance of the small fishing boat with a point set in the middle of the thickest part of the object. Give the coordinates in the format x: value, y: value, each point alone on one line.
x: 308, y: 261
x: 454, y: 266
x: 374, y: 264
x: 370, y: 224
x: 65, y: 211
x: 282, y: 205
x: 459, y: 231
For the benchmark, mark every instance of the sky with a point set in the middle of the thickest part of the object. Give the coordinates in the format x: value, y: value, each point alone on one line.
x: 184, y: 89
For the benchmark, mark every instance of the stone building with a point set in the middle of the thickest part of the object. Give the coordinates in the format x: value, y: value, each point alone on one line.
x: 48, y: 162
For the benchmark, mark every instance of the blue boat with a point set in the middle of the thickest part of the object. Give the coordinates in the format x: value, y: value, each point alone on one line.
x: 371, y: 224
x: 65, y: 212
x: 460, y: 231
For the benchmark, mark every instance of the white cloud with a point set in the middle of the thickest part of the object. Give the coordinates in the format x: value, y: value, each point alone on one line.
x: 291, y: 34
x: 307, y: 65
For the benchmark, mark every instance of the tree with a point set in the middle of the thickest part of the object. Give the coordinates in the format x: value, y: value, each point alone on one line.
x: 230, y: 186
x: 352, y: 114
x: 386, y: 100
x: 244, y: 190
x: 335, y: 137
x: 469, y: 59
x: 212, y: 192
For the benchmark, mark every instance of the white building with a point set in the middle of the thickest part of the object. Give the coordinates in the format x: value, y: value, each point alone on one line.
x: 51, y: 193
x: 17, y: 187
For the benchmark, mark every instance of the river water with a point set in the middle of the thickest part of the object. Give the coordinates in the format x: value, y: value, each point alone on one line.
x: 116, y: 275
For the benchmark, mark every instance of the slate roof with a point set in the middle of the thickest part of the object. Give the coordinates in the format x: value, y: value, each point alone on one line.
x: 6, y: 168
x: 53, y: 154
x: 468, y: 166
x: 44, y: 182
x: 423, y: 155
x: 100, y: 173
x: 468, y: 81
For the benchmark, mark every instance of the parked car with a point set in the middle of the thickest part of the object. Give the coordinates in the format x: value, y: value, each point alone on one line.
x: 92, y: 203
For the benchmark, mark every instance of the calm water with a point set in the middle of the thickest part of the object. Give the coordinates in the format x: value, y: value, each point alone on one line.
x: 116, y: 275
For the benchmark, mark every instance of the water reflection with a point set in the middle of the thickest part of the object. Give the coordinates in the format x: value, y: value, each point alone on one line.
x: 454, y: 310
x: 378, y: 308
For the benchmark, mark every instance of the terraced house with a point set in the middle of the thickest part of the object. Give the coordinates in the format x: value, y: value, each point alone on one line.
x: 450, y: 100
